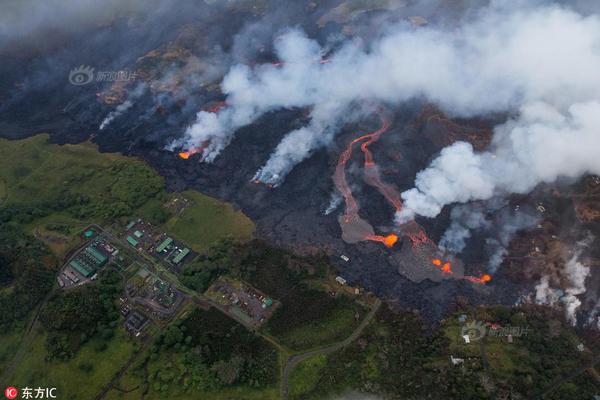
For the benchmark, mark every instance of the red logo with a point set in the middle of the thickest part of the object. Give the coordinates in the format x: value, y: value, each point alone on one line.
x: 11, y: 392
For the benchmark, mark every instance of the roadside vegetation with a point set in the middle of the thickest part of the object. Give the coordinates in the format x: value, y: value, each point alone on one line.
x: 308, y: 315
x: 205, y: 355
x: 397, y: 357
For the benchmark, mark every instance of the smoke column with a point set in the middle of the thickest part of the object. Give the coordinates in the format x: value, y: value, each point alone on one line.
x: 123, y: 107
x: 538, y: 63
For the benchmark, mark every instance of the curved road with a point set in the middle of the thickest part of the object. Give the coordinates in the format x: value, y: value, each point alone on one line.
x: 295, y: 360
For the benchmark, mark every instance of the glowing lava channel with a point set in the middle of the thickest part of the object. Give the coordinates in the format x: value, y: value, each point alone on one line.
x: 351, y: 210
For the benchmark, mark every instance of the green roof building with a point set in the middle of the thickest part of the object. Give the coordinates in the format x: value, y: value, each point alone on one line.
x: 184, y: 252
x: 132, y: 241
x: 100, y: 258
x: 81, y: 268
x: 166, y: 243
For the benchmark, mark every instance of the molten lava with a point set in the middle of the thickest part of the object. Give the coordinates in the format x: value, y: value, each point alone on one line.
x: 339, y: 178
x: 445, y: 267
x: 388, y: 241
x: 483, y: 279
x: 187, y: 154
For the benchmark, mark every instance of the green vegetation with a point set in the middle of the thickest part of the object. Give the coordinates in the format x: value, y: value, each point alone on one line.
x: 396, y: 358
x: 207, y: 221
x: 72, y: 180
x: 307, y: 317
x: 80, y: 378
x: 71, y: 318
x: 26, y: 275
x: 207, y: 355
x: 305, y: 376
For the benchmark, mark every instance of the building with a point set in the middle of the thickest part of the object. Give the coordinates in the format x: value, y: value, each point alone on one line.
x: 181, y: 255
x: 88, y: 261
x: 132, y: 241
x: 164, y: 245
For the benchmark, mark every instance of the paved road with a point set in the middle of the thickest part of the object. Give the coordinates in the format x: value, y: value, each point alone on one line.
x: 295, y: 360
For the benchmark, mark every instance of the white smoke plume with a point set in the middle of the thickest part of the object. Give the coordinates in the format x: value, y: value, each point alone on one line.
x: 575, y: 274
x: 492, y: 219
x: 123, y: 107
x: 539, y: 63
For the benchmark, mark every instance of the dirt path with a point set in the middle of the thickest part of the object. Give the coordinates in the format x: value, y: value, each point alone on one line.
x: 295, y: 360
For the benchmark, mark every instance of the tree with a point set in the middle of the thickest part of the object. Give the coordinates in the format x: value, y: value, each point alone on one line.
x: 228, y: 372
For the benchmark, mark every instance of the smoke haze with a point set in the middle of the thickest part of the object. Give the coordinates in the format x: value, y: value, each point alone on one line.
x: 537, y: 63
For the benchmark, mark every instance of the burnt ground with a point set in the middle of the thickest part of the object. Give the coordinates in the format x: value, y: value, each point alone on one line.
x: 35, y: 97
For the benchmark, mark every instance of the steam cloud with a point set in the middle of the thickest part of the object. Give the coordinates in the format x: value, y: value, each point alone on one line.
x: 538, y: 63
x: 575, y: 273
x: 499, y: 228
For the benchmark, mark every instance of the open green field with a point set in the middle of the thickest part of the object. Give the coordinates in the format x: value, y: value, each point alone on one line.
x: 305, y: 376
x: 9, y: 343
x: 70, y: 380
x: 45, y: 185
x: 207, y: 221
x: 36, y: 171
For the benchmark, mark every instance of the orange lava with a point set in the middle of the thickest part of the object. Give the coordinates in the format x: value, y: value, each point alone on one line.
x: 187, y: 154
x: 388, y: 241
x: 339, y: 176
x: 483, y: 279
x: 447, y: 268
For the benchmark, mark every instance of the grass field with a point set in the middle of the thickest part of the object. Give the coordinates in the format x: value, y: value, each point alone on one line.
x: 34, y: 169
x: 207, y: 221
x: 71, y: 381
x: 9, y: 343
x: 306, y: 376
x: 312, y: 318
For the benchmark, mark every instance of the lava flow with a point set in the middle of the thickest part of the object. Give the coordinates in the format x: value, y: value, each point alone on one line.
x: 353, y: 227
x: 389, y: 240
x: 194, y: 150
x: 483, y: 279
x: 445, y: 267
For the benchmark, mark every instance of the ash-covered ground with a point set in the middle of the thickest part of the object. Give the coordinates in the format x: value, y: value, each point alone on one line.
x: 174, y: 58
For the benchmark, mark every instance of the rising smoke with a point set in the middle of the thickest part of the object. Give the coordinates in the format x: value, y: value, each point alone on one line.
x: 123, y: 107
x: 575, y: 273
x: 494, y: 220
x: 537, y: 63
